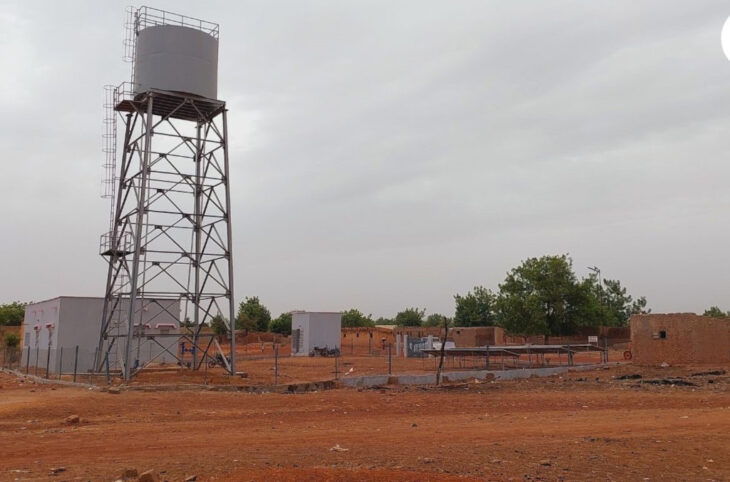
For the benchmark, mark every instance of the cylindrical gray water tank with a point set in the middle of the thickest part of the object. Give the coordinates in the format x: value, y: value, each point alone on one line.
x: 180, y: 59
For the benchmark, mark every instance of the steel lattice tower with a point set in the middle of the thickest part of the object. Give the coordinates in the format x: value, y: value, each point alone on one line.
x: 170, y: 236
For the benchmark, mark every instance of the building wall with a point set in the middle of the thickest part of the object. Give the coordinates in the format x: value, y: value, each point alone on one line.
x: 420, y: 331
x: 77, y: 323
x: 36, y: 334
x: 679, y: 338
x: 317, y: 329
x: 477, y: 336
x: 366, y: 340
x: 80, y: 322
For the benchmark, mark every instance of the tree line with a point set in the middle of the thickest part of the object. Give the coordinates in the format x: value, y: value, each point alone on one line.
x: 541, y: 296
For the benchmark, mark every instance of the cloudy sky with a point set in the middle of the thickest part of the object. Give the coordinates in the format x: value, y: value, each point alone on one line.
x: 393, y: 153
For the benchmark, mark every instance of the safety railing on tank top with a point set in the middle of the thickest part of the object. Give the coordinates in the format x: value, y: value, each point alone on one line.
x: 150, y: 17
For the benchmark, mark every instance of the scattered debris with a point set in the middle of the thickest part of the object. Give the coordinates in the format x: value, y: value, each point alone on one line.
x: 713, y: 372
x: 337, y: 448
x: 633, y: 376
x: 57, y: 470
x: 115, y: 390
x: 670, y: 381
x: 545, y: 463
x: 191, y: 478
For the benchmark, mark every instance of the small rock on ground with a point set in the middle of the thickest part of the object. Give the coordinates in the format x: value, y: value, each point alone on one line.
x: 148, y: 476
x: 129, y: 474
x: 73, y: 419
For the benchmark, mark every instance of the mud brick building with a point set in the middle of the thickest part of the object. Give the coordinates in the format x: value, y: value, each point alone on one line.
x: 680, y: 338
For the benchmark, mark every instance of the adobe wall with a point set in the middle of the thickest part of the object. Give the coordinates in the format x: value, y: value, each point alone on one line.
x: 366, y: 340
x: 5, y: 330
x: 257, y: 337
x: 477, y: 336
x: 688, y: 339
x: 421, y: 331
x: 610, y: 335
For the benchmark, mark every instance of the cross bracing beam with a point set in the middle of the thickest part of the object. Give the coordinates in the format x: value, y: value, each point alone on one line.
x: 171, y: 236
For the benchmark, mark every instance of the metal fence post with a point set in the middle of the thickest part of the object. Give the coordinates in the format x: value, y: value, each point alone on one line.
x: 108, y: 380
x: 37, y: 354
x: 97, y: 364
x: 60, y: 363
x: 27, y: 361
x: 570, y: 356
x: 337, y: 356
x: 487, y: 357
x: 48, y: 361
x: 5, y: 357
x: 390, y: 358
x: 276, y: 363
x: 76, y: 361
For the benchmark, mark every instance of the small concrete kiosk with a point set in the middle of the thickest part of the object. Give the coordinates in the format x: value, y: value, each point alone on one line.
x: 314, y: 329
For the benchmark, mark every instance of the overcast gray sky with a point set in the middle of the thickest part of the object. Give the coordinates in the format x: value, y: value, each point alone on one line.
x: 394, y: 153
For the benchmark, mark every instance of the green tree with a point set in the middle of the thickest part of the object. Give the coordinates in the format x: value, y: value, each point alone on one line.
x: 410, y: 317
x: 354, y: 317
x: 220, y: 325
x: 716, y: 312
x: 384, y: 321
x: 12, y: 314
x: 612, y: 305
x: 281, y: 325
x: 436, y: 319
x: 476, y: 308
x: 252, y: 315
x: 543, y: 296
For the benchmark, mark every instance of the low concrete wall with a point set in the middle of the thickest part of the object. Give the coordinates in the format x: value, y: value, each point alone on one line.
x: 430, y: 378
x: 47, y: 381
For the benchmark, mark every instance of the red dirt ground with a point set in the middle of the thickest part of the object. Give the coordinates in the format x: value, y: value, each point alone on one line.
x: 584, y: 425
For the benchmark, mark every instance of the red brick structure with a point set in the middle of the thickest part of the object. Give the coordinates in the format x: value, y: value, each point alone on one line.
x: 680, y: 338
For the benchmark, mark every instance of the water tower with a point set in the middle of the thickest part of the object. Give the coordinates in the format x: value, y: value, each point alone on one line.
x: 170, y: 222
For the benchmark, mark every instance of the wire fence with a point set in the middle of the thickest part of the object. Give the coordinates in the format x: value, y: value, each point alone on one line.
x: 271, y: 363
x: 64, y: 363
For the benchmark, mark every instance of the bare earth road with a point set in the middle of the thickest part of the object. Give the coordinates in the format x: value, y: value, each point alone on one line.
x: 581, y: 426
